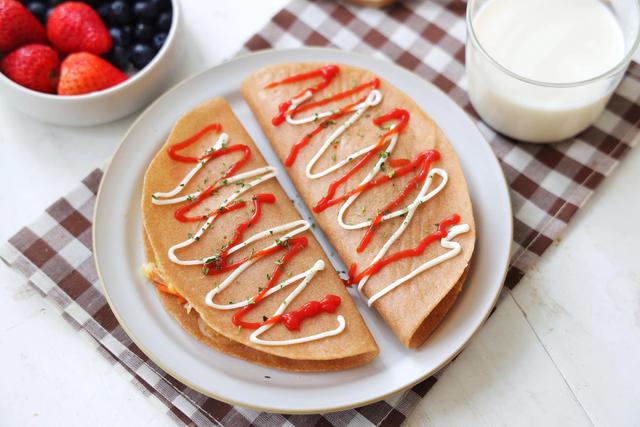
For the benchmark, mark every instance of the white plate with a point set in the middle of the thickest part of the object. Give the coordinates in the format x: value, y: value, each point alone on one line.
x: 119, y: 252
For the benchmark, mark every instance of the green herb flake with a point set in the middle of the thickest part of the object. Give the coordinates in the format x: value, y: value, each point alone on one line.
x: 282, y: 243
x: 212, y: 259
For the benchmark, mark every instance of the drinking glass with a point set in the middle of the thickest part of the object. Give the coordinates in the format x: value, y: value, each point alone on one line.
x: 538, y: 111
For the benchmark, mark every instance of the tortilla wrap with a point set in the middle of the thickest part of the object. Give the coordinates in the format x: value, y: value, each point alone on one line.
x: 352, y: 347
x: 414, y: 309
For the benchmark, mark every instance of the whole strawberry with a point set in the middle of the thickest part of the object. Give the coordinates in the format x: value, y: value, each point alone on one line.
x: 34, y: 66
x: 85, y: 72
x: 76, y: 27
x: 18, y: 26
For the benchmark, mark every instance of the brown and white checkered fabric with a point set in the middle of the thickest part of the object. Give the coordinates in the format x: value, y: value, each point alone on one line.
x: 548, y: 185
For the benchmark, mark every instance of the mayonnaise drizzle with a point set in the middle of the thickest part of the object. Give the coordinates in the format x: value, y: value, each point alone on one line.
x: 446, y: 243
x: 245, y: 265
x: 374, y: 98
x: 292, y: 228
x: 220, y: 142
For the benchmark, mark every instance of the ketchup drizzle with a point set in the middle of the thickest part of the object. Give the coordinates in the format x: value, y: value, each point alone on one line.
x: 295, y: 149
x: 181, y: 213
x: 293, y: 319
x: 214, y: 127
x: 328, y: 200
x: 219, y: 263
x: 440, y: 233
x: 326, y: 73
x: 424, y: 159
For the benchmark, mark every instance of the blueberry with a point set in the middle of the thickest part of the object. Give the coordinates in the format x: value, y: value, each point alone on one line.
x: 145, y: 11
x: 158, y: 40
x: 54, y: 3
x: 161, y: 4
x: 120, y: 36
x: 142, y: 32
x: 164, y: 21
x: 38, y: 9
x: 119, y: 13
x: 141, y: 55
x: 119, y: 56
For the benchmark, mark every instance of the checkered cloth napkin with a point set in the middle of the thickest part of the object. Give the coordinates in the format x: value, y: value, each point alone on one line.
x: 548, y: 184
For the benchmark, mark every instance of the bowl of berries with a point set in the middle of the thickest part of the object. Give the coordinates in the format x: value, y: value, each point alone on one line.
x: 86, y: 62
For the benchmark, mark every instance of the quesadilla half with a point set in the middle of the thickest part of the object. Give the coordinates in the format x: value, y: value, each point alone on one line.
x: 233, y: 261
x: 382, y: 181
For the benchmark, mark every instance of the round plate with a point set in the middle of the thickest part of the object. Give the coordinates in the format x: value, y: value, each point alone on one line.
x: 119, y: 253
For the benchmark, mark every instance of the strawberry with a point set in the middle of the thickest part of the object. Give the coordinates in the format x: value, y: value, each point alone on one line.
x: 76, y: 27
x: 34, y: 66
x: 85, y: 72
x: 18, y: 26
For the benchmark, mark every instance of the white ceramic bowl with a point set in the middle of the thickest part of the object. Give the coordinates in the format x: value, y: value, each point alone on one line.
x: 107, y: 105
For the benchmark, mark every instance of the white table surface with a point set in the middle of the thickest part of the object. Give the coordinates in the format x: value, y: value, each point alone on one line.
x: 562, y: 349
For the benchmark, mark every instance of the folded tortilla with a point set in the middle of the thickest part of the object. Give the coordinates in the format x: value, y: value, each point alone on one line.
x: 354, y: 346
x: 414, y: 309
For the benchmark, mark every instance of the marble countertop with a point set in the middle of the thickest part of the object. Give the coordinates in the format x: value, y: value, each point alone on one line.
x: 563, y: 347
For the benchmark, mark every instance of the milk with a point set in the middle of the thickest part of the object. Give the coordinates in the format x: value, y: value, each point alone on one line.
x: 551, y: 41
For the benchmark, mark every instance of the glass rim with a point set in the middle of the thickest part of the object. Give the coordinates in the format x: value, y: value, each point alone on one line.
x: 620, y: 66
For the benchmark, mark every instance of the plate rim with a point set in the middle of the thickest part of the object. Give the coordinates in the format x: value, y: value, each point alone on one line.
x: 262, y: 408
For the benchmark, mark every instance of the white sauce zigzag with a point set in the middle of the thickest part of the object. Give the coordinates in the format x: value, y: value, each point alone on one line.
x: 373, y: 98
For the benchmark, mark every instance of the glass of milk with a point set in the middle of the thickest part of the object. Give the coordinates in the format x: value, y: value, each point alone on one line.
x: 543, y: 70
